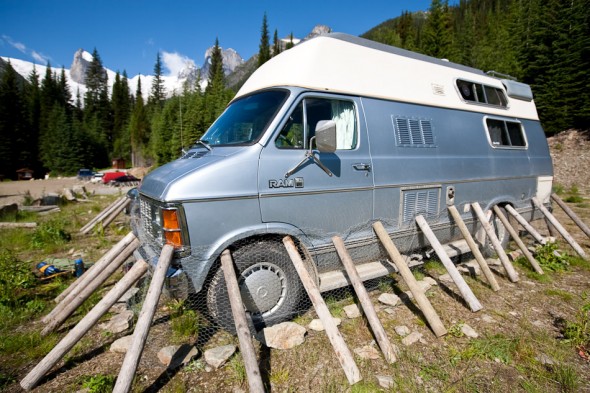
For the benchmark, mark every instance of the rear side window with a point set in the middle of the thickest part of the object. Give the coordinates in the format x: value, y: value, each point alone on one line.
x: 481, y: 94
x: 505, y: 133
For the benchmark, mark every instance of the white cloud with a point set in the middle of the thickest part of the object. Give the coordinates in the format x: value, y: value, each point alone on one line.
x: 39, y: 57
x: 175, y: 62
x: 18, y: 45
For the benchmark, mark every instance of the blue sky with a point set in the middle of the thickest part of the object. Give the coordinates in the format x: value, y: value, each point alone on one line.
x: 128, y: 34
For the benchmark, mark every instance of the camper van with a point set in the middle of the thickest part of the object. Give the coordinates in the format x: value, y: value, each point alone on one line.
x: 325, y: 139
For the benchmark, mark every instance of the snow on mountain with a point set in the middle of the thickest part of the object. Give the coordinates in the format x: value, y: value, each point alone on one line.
x: 181, y: 70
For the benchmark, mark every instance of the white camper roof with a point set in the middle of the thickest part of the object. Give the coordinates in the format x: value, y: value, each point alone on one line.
x: 341, y: 63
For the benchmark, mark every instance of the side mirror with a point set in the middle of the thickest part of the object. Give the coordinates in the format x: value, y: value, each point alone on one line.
x: 325, y: 136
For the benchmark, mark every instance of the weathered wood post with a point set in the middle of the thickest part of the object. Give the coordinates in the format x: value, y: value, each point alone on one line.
x: 244, y: 337
x: 429, y: 313
x: 464, y: 289
x: 560, y: 228
x: 81, y: 293
x: 99, y: 265
x: 74, y: 335
x: 342, y: 352
x: 111, y: 217
x: 365, y: 301
x: 571, y: 214
x: 474, y: 248
x: 512, y: 275
x: 144, y: 321
x: 518, y: 241
x: 528, y: 227
x: 100, y: 216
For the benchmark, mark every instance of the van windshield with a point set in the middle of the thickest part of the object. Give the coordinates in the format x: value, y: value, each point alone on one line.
x: 245, y: 120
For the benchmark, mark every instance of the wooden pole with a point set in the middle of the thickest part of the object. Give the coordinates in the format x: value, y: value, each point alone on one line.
x: 464, y: 289
x: 474, y: 248
x: 340, y: 348
x: 529, y: 228
x: 571, y: 214
x: 365, y: 301
x: 77, y: 297
x: 115, y: 213
x: 99, y: 265
x: 30, y: 225
x: 512, y: 275
x: 244, y: 337
x: 518, y: 241
x: 144, y: 321
x: 100, y: 215
x: 74, y: 335
x: 560, y: 228
x: 429, y: 313
x: 103, y: 215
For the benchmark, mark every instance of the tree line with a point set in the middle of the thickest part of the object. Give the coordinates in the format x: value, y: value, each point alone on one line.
x: 544, y: 43
x: 44, y: 128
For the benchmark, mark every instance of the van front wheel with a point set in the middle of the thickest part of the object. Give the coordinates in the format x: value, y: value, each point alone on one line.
x: 269, y: 285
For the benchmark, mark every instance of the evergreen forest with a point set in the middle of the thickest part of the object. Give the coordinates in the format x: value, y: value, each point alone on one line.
x: 42, y: 127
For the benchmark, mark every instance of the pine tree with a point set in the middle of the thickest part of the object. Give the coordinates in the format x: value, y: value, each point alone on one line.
x: 438, y: 31
x: 139, y: 130
x: 12, y: 122
x: 276, y: 44
x: 158, y: 92
x: 121, y: 107
x: 216, y: 95
x: 264, y: 48
x: 290, y: 44
x: 33, y: 106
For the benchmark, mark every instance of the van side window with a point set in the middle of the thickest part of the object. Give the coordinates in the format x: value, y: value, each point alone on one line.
x: 505, y: 133
x: 300, y: 126
x: 482, y: 94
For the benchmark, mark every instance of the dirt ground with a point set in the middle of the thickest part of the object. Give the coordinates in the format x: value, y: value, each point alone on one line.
x: 15, y: 191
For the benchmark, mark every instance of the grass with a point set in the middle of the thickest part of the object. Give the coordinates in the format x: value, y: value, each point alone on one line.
x: 99, y: 383
x: 185, y: 326
x: 492, y: 347
x: 563, y: 295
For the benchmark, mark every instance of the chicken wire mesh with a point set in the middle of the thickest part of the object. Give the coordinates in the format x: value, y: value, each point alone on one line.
x: 270, y: 288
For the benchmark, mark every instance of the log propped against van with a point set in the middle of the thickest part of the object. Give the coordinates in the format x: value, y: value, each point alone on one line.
x: 327, y: 138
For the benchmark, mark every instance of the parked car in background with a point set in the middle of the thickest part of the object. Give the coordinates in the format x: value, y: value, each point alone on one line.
x: 97, y: 177
x: 85, y: 174
x: 109, y: 176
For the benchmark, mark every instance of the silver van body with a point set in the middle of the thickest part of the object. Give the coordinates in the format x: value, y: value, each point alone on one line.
x: 414, y: 135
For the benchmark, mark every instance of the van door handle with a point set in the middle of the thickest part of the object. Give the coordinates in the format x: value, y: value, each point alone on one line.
x: 362, y: 167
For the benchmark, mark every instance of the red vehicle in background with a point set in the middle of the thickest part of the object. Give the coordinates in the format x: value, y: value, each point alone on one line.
x: 109, y: 176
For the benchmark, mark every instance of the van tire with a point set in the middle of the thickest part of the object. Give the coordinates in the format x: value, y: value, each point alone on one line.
x: 269, y: 286
x: 501, y: 232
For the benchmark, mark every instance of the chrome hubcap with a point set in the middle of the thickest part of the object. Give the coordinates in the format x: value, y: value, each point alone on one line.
x: 263, y: 287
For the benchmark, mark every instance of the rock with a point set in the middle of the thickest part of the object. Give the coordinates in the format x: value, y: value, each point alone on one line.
x: 128, y: 295
x: 285, y: 335
x: 472, y: 268
x: 424, y: 285
x: 446, y: 278
x: 318, y: 326
x: 69, y: 194
x: 367, y: 352
x: 389, y: 299
x: 468, y: 331
x: 216, y: 357
x: 80, y: 190
x: 389, y: 310
x: 539, y: 324
x: 118, y: 308
x: 122, y: 345
x: 430, y: 280
x: 8, y: 209
x: 513, y: 313
x: 352, y: 311
x: 544, y: 359
x: 177, y: 355
x: 412, y: 338
x: 486, y: 318
x: 385, y: 382
x: 119, y: 323
x: 402, y: 330
x: 514, y: 255
x: 493, y: 262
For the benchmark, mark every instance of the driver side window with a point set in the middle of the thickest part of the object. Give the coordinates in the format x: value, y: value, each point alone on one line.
x: 300, y: 127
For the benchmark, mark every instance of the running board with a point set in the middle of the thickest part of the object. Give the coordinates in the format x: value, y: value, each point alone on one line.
x: 367, y: 271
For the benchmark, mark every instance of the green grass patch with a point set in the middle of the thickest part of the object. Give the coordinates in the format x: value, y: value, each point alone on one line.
x: 185, y: 326
x: 567, y: 378
x: 15, y: 278
x: 99, y: 383
x: 51, y: 233
x: 564, y: 295
x: 577, y: 331
x: 491, y: 348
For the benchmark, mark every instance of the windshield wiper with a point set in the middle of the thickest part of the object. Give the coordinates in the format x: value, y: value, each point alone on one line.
x: 204, y: 143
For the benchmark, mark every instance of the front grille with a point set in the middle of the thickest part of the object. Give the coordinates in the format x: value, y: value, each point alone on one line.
x: 150, y: 220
